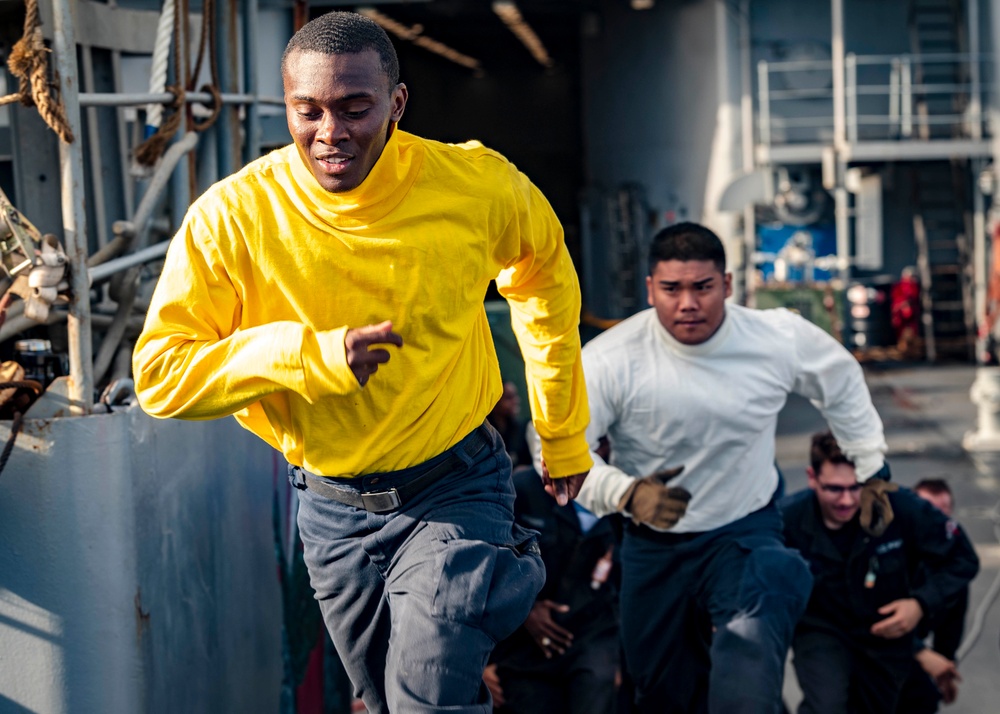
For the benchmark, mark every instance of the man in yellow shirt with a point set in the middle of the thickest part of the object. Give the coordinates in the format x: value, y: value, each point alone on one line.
x: 330, y: 297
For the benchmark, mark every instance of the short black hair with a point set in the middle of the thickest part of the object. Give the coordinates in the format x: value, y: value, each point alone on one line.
x: 344, y: 33
x: 687, y: 241
x: 937, y: 486
x: 825, y: 448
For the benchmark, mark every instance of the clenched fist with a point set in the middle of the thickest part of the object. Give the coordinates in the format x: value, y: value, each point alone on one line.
x: 651, y: 502
x: 876, y: 511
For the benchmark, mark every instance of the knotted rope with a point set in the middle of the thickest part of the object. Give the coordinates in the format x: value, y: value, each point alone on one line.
x: 28, y: 62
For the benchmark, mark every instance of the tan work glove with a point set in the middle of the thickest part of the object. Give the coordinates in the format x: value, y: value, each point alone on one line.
x: 651, y: 502
x: 876, y: 511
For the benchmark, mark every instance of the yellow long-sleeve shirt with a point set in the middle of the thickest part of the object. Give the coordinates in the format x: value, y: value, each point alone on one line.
x: 268, y: 272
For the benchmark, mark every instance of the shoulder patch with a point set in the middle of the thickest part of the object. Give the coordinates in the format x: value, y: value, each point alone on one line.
x: 950, y: 529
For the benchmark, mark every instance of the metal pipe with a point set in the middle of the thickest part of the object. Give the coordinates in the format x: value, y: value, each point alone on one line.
x: 894, y: 98
x: 837, y: 55
x: 81, y: 387
x: 251, y: 148
x: 136, y: 99
x: 125, y: 231
x: 975, y: 108
x: 979, y: 256
x: 125, y: 176
x: 106, y: 270
x: 97, y: 200
x: 113, y: 337
x: 227, y: 126
x: 746, y: 121
x: 906, y: 94
x: 763, y: 103
x: 851, y: 68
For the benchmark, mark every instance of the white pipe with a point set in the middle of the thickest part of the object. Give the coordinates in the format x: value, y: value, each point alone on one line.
x: 106, y: 270
x: 975, y: 109
x: 837, y: 55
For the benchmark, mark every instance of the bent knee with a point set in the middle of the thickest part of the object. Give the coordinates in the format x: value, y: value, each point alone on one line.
x: 777, y: 577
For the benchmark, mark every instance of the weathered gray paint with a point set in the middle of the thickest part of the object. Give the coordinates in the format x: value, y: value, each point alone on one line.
x: 137, y: 569
x: 650, y: 101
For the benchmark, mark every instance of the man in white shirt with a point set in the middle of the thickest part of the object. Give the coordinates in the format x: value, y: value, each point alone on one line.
x: 710, y: 594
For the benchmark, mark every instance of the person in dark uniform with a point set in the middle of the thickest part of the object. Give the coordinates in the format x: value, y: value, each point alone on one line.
x: 565, y: 658
x: 505, y: 418
x: 922, y: 691
x: 855, y: 644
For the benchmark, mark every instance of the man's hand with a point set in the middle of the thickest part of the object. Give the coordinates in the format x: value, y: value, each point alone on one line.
x: 943, y: 671
x: 492, y: 681
x: 876, y: 511
x: 552, y: 638
x: 653, y: 503
x: 362, y: 360
x: 562, y: 489
x: 903, y: 614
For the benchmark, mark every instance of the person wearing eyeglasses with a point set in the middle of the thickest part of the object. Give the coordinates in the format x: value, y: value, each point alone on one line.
x: 854, y: 645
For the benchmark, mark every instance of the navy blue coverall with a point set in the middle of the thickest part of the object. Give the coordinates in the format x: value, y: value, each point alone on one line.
x: 840, y: 665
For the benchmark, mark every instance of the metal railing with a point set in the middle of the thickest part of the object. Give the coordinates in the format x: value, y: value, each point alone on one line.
x: 887, y: 98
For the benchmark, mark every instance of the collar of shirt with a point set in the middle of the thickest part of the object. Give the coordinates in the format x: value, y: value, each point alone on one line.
x: 382, y: 190
x: 706, y: 347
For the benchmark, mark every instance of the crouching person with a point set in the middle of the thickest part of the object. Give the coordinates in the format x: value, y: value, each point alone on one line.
x: 855, y: 644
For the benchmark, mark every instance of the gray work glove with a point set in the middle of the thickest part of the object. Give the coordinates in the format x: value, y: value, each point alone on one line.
x: 876, y: 511
x: 651, y: 502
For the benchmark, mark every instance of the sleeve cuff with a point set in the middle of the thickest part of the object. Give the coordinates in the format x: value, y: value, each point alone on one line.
x: 324, y: 365
x: 567, y: 456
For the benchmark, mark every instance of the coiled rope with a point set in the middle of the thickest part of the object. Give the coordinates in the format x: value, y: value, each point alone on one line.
x: 28, y: 62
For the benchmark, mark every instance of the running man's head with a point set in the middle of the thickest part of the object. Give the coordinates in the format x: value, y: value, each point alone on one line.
x: 342, y: 96
x: 833, y: 478
x: 688, y: 283
x: 938, y: 492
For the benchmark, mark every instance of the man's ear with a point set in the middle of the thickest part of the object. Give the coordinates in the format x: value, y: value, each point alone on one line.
x: 398, y: 100
x: 812, y: 477
x: 729, y: 284
x: 649, y: 290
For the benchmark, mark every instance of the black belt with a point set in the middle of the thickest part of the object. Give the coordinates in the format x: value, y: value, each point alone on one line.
x: 667, y: 538
x: 392, y: 499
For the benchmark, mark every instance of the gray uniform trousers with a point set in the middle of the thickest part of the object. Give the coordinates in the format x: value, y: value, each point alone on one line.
x: 416, y: 599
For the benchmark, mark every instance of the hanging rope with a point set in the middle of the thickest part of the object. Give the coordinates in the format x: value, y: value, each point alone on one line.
x: 207, y: 43
x: 28, y: 62
x: 150, y: 151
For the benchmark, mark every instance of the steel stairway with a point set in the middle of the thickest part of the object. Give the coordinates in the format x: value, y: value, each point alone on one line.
x: 943, y: 259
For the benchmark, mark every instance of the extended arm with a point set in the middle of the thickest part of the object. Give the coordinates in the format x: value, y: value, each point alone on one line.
x: 541, y: 286
x: 832, y: 379
x: 193, y: 359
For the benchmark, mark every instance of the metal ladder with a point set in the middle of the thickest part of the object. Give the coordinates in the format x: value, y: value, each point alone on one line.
x: 943, y: 259
x: 937, y: 32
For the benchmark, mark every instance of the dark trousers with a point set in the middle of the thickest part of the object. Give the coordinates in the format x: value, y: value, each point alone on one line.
x: 415, y: 600
x: 919, y: 694
x: 740, y: 580
x: 582, y: 681
x: 837, y: 675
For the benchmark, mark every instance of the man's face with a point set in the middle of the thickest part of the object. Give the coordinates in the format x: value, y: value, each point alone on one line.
x: 838, y: 492
x: 339, y: 108
x: 689, y: 297
x: 942, y: 501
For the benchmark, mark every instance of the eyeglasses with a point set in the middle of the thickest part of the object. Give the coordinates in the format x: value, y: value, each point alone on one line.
x: 840, y: 490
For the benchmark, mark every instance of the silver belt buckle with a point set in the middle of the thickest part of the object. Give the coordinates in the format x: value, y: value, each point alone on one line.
x: 381, y: 501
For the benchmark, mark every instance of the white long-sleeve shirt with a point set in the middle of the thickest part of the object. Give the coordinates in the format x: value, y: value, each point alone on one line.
x: 713, y: 408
